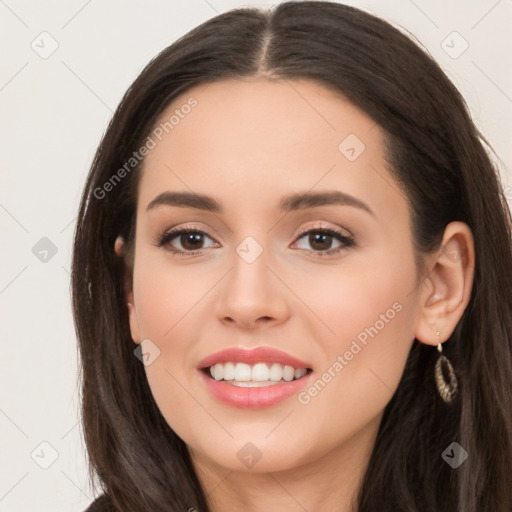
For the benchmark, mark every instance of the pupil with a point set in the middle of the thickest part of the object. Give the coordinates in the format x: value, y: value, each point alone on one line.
x: 320, y: 236
x: 191, y: 238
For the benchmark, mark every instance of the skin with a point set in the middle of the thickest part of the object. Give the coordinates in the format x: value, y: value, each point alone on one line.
x: 248, y: 143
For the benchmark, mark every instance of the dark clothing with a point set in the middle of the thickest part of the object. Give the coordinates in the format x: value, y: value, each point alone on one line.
x: 99, y: 505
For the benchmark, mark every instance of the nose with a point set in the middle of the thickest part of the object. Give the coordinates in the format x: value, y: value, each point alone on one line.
x: 252, y: 295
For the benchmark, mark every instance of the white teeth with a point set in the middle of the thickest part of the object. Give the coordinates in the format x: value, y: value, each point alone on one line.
x: 218, y: 372
x: 276, y: 372
x: 242, y: 372
x: 260, y: 374
x: 300, y: 372
x: 288, y: 372
x: 252, y: 384
x: 229, y: 371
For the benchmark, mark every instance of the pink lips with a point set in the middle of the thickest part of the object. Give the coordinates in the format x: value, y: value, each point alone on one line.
x: 252, y: 397
x: 252, y: 356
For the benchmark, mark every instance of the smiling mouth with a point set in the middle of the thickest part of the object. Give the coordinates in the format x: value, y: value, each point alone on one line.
x: 256, y: 375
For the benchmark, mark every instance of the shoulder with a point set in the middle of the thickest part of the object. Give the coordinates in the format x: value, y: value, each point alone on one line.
x: 100, y: 504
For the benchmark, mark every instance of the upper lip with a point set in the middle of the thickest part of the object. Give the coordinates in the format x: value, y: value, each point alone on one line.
x: 252, y: 356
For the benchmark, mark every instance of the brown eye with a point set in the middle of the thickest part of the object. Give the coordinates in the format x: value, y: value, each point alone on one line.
x: 190, y: 240
x: 321, y: 239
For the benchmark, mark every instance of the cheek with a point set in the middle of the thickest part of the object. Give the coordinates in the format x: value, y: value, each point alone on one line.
x: 170, y: 313
x: 364, y: 302
x: 370, y: 315
x: 166, y: 295
x: 364, y: 365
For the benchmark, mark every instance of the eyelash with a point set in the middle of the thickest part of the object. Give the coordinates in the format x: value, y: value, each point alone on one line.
x: 167, y: 236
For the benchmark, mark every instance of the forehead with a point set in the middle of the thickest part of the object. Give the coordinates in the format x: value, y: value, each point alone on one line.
x: 244, y: 135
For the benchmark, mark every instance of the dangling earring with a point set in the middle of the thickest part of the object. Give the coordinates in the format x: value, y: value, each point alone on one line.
x: 447, y: 390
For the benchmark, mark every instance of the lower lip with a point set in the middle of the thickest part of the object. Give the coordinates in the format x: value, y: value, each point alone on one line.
x: 253, y: 398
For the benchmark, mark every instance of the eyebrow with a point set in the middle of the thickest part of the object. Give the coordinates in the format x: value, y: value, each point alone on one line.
x: 297, y: 201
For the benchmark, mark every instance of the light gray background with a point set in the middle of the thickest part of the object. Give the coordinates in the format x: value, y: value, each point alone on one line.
x: 53, y: 112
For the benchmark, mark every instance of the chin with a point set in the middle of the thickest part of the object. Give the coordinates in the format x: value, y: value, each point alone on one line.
x: 253, y: 453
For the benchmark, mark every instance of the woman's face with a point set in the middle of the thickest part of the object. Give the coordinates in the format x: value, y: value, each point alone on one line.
x: 340, y: 306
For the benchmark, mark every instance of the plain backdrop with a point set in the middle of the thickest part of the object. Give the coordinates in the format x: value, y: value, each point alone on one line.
x: 64, y: 68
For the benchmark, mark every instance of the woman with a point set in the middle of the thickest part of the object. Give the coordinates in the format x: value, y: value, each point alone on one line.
x: 287, y: 291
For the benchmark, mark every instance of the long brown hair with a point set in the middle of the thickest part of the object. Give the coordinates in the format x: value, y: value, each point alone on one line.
x: 437, y: 156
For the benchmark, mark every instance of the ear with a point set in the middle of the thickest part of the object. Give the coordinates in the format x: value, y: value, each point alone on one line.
x: 119, y: 247
x: 447, y: 289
